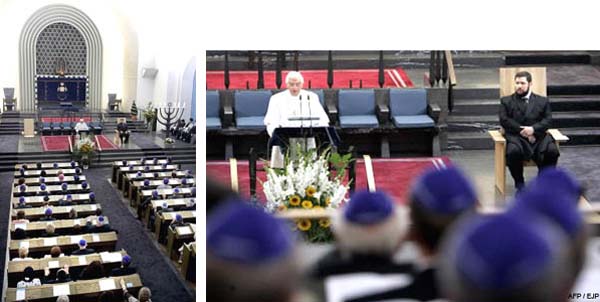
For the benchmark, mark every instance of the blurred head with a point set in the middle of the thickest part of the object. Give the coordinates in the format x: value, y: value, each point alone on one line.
x: 20, y: 214
x: 28, y: 273
x: 504, y: 258
x: 55, y: 251
x: 437, y: 199
x: 62, y: 299
x: 82, y: 244
x: 370, y: 223
x: 21, y: 180
x: 23, y: 252
x: 126, y: 260
x: 557, y: 181
x: 48, y: 212
x: 294, y: 82
x: 50, y: 228
x: 144, y: 295
x: 73, y: 213
x: 244, y: 242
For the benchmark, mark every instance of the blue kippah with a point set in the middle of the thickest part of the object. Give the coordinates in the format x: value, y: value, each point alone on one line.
x: 43, y: 187
x: 82, y: 242
x: 165, y: 205
x: 21, y: 199
x: 557, y: 207
x: 76, y: 177
x: 240, y: 233
x: 178, y: 217
x: 130, y: 167
x: 48, y: 212
x: 165, y: 181
x: 22, y: 187
x: 164, y: 165
x: 146, y: 168
x: 101, y: 218
x: 69, y: 196
x: 176, y: 190
x: 184, y: 181
x: 139, y: 173
x: 55, y: 165
x: 64, y: 185
x: 146, y: 182
x: 42, y: 180
x: 504, y: 252
x: 77, y: 170
x: 72, y: 164
x: 154, y: 193
x: 444, y: 191
x: 368, y: 207
x: 92, y: 195
x: 559, y: 181
x: 126, y: 259
x: 84, y: 184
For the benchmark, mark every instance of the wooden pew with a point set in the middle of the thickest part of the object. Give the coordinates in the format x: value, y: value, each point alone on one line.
x: 80, y: 291
x: 118, y: 164
x: 163, y: 192
x: 62, y: 226
x: 128, y: 177
x: 36, y: 201
x: 156, y: 168
x: 38, y: 247
x: 175, y: 204
x: 50, y: 180
x: 188, y: 266
x: 32, y: 166
x: 179, y: 236
x: 71, y: 188
x: 135, y: 186
x: 58, y: 212
x: 76, y: 264
x: 50, y: 172
x: 163, y: 220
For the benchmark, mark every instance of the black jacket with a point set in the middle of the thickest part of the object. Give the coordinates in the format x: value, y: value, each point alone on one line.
x: 119, y: 271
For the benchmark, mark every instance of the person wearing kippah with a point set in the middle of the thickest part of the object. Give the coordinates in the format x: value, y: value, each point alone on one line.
x: 505, y: 257
x: 83, y: 249
x: 369, y: 230
x: 47, y: 215
x: 22, y: 204
x: 164, y: 185
x: 162, y: 236
x: 101, y: 226
x: 125, y: 268
x: 437, y: 199
x: 251, y: 251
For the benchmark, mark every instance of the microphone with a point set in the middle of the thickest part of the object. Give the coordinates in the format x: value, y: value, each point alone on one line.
x: 309, y: 114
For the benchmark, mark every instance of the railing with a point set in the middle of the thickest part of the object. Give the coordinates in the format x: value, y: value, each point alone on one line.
x: 441, y: 69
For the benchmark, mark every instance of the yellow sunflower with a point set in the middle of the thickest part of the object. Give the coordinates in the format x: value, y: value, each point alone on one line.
x: 327, y: 201
x: 307, y: 204
x: 304, y: 224
x: 310, y: 191
x: 324, y: 223
x: 295, y: 200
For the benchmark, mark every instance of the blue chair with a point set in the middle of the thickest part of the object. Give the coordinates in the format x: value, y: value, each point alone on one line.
x: 321, y: 95
x: 357, y: 108
x: 408, y: 108
x: 250, y: 108
x: 212, y: 110
x: 95, y: 127
x: 46, y: 128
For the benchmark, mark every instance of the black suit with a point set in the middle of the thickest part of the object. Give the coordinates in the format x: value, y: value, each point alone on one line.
x: 86, y: 251
x: 123, y: 132
x: 516, y: 112
x: 122, y: 271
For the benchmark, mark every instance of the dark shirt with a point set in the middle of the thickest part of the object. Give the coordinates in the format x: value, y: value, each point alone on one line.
x: 120, y: 271
x: 334, y: 263
x: 122, y: 127
x: 86, y: 251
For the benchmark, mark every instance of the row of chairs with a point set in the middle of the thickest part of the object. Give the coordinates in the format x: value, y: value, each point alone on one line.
x: 356, y: 108
x: 66, y: 128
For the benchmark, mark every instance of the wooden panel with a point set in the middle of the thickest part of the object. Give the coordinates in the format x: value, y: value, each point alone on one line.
x: 507, y: 80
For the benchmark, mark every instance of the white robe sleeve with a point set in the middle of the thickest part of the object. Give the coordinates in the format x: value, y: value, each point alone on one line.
x: 273, y: 114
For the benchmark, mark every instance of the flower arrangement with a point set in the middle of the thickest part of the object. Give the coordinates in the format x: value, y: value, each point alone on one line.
x: 84, y: 149
x: 307, y: 182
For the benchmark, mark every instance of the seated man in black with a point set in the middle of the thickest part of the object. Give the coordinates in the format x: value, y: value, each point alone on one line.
x: 123, y: 132
x: 83, y: 249
x: 525, y: 117
x: 124, y: 270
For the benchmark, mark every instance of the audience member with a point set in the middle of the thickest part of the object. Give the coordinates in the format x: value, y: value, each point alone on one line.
x: 125, y: 268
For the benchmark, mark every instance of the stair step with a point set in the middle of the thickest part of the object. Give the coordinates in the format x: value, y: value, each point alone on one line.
x: 543, y: 59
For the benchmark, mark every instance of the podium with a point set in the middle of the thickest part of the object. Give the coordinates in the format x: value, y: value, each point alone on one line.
x: 323, y: 136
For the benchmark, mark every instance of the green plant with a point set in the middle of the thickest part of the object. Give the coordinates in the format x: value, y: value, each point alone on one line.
x: 149, y: 113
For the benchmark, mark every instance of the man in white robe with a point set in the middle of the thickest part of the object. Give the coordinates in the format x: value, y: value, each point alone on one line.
x: 294, y: 102
x: 81, y: 127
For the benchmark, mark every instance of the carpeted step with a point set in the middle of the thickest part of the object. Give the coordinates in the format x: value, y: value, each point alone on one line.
x: 548, y: 58
x: 557, y: 103
x: 559, y: 119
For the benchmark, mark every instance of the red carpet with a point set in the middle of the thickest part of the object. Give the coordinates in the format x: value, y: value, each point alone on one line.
x: 55, y: 143
x: 105, y: 143
x: 86, y: 119
x: 394, y: 78
x: 393, y: 175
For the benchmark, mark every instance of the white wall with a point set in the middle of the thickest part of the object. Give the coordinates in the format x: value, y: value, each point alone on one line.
x: 159, y: 36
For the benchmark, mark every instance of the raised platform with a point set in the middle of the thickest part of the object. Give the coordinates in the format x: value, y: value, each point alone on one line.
x: 20, y: 149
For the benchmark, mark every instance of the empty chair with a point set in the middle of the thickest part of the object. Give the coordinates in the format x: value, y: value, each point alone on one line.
x: 95, y: 127
x: 408, y: 108
x: 250, y: 108
x: 357, y: 108
x: 319, y: 92
x: 46, y: 128
x: 212, y: 110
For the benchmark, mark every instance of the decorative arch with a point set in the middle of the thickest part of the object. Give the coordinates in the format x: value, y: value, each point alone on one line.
x: 34, y: 26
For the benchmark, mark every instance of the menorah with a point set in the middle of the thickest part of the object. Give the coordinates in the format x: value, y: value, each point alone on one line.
x: 169, y: 114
